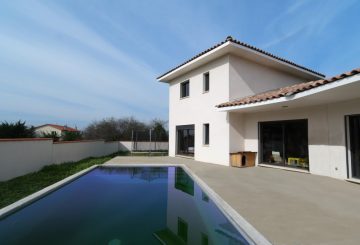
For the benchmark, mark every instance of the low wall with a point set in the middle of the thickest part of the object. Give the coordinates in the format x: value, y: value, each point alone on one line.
x: 144, y: 146
x: 23, y: 156
x: 75, y: 151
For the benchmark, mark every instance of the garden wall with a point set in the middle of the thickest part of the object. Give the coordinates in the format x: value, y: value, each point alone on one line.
x: 23, y: 156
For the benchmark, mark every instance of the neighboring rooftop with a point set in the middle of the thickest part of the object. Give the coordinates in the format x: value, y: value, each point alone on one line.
x: 60, y: 127
x: 230, y: 40
x: 287, y: 91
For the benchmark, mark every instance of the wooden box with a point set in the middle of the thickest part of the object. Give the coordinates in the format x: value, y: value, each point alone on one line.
x: 243, y: 159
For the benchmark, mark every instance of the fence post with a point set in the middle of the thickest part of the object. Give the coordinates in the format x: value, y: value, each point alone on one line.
x: 132, y: 141
x: 150, y: 144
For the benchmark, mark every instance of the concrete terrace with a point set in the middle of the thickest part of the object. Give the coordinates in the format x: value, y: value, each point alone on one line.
x: 286, y: 207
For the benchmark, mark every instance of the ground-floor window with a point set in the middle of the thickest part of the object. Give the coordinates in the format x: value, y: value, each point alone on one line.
x: 354, y: 145
x: 284, y: 143
x: 185, y: 138
x: 206, y: 137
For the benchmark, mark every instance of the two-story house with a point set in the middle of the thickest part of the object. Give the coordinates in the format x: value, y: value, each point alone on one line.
x: 234, y: 97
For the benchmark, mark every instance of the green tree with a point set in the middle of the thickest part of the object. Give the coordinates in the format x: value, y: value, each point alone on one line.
x: 71, y: 135
x: 16, y: 130
x: 159, y: 130
x: 53, y: 135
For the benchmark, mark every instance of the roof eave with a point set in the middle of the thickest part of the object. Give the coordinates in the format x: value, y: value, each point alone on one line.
x: 166, y: 77
x: 333, y: 85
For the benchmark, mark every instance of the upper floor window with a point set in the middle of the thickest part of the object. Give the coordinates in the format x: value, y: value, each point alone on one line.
x: 185, y: 89
x: 206, y: 79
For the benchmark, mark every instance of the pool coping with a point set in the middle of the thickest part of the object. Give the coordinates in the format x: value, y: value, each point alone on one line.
x: 12, y: 208
x: 244, y: 227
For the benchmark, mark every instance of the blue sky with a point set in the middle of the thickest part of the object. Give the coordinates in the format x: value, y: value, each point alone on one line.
x: 75, y: 61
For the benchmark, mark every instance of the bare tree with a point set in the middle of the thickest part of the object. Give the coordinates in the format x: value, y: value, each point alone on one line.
x: 114, y: 129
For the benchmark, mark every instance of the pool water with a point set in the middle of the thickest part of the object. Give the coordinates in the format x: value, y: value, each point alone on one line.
x: 119, y: 206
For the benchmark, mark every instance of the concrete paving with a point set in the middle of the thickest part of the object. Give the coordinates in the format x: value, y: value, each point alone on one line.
x: 286, y: 207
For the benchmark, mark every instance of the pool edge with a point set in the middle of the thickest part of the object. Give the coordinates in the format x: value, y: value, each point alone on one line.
x: 12, y: 208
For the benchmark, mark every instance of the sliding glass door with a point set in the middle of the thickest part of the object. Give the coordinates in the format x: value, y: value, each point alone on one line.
x: 354, y: 148
x: 284, y: 143
x: 185, y: 140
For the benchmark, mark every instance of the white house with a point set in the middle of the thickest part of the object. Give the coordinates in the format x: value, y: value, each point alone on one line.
x: 234, y: 97
x: 59, y: 130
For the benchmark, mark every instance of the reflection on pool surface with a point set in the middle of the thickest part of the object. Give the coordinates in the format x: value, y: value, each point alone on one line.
x: 123, y: 205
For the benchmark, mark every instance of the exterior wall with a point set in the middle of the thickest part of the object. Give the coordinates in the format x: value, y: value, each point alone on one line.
x: 199, y: 108
x: 249, y: 78
x: 326, y: 134
x: 19, y: 157
x: 22, y: 157
x: 47, y: 129
x: 143, y: 146
x: 230, y: 77
x: 75, y: 151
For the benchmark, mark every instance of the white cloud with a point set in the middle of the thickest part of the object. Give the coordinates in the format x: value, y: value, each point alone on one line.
x: 54, y: 77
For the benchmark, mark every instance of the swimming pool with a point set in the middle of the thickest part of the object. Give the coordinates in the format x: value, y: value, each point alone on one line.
x: 124, y: 205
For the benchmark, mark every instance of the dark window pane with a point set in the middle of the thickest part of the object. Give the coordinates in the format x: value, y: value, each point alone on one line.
x: 183, y: 182
x: 296, y: 144
x: 206, y: 82
x: 354, y: 130
x: 272, y: 143
x: 182, y: 229
x: 285, y: 143
x: 184, y: 89
x: 185, y: 140
x: 206, y: 134
x: 204, y: 239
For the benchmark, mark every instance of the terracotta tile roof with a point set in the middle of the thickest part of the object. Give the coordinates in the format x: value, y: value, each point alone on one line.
x: 289, y: 90
x: 230, y: 39
x: 62, y: 128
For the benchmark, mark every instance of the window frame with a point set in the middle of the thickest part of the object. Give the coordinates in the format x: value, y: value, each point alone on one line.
x: 206, y: 74
x: 284, y: 142
x: 182, y: 84
x: 206, y: 134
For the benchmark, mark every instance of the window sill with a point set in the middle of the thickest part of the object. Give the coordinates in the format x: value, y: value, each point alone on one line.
x: 353, y: 180
x: 206, y: 145
x: 185, y: 97
x: 205, y: 92
x: 284, y: 168
x: 183, y: 156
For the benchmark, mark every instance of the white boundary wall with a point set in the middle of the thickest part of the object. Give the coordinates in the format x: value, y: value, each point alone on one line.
x: 23, y: 156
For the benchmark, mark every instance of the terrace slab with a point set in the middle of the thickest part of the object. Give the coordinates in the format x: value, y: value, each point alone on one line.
x: 286, y: 207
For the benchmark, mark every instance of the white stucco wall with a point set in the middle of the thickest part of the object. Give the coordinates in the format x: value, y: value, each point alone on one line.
x: 23, y: 156
x: 326, y: 134
x: 75, y: 151
x: 199, y: 108
x: 248, y: 78
x: 19, y: 157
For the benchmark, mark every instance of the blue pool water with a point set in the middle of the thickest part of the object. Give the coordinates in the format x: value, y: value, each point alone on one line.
x: 122, y: 205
